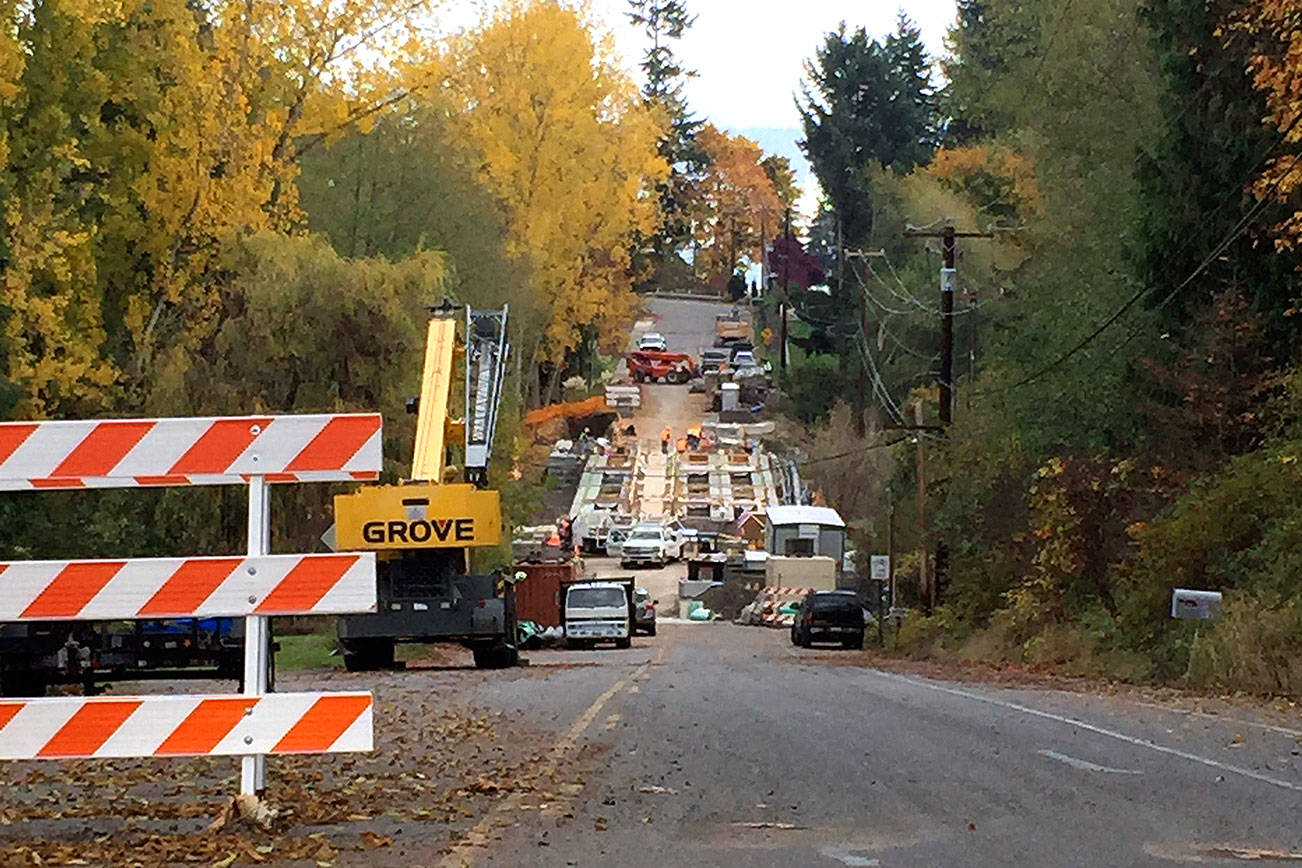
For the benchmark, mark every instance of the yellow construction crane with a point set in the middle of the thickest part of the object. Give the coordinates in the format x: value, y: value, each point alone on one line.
x: 424, y: 527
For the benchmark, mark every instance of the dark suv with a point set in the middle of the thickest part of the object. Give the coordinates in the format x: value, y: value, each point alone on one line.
x: 829, y: 616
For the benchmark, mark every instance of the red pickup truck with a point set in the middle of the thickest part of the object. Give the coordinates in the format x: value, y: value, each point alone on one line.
x: 652, y: 365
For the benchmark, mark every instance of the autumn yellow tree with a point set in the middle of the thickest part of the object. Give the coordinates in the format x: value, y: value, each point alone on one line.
x: 1275, y: 28
x: 142, y: 136
x: 569, y: 149
x: 999, y: 181
x: 736, y: 208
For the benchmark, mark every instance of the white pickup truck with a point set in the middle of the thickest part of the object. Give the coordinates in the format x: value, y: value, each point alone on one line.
x: 651, y: 544
x: 599, y: 611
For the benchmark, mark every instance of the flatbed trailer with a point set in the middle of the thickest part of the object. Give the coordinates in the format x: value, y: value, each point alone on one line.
x: 36, y: 655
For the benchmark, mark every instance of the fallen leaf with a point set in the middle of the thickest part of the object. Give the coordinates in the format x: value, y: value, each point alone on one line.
x: 373, y: 840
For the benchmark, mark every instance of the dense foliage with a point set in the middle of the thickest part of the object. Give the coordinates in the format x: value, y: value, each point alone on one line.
x: 1127, y: 406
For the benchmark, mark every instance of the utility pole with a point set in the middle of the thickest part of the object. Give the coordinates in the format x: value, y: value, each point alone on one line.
x: 890, y: 576
x: 786, y: 287
x: 948, y: 277
x: 861, y: 312
x: 971, y: 340
x: 926, y: 588
x: 947, y: 281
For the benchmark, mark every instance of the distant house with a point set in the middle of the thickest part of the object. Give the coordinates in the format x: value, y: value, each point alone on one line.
x: 805, y: 530
x: 750, y: 527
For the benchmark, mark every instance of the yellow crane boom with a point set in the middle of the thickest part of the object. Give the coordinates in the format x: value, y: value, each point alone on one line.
x: 435, y: 383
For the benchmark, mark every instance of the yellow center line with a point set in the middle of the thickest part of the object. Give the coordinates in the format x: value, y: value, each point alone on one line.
x: 476, y: 841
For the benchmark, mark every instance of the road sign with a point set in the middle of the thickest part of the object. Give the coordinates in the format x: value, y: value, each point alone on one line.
x: 880, y: 567
x: 247, y: 450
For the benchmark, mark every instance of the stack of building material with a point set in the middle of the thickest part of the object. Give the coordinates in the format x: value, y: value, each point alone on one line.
x: 766, y: 610
x: 623, y: 397
x: 565, y: 465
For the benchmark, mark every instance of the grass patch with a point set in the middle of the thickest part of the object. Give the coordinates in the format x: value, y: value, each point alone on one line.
x: 311, y: 651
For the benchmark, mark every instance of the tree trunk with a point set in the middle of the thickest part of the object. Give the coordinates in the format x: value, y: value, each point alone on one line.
x: 549, y: 395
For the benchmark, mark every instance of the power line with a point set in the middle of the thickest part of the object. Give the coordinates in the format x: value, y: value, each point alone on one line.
x: 1140, y: 293
x: 932, y: 311
x: 879, y: 387
x: 883, y: 330
x: 1230, y: 238
x: 906, y: 296
x: 858, y: 451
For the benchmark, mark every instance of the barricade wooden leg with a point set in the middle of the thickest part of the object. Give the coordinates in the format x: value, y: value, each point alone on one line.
x: 257, y: 647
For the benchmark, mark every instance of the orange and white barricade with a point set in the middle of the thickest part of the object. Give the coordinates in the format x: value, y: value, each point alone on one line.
x: 251, y: 450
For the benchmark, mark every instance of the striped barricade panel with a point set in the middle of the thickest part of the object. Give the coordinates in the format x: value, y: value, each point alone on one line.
x: 229, y: 725
x: 786, y: 592
x: 122, y: 453
x: 187, y: 587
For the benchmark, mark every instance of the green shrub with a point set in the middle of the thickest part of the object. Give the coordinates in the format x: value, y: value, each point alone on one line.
x: 1239, y: 532
x: 812, y: 385
x: 1255, y: 646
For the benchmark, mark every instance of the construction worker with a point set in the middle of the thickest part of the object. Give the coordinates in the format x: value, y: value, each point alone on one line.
x: 666, y: 437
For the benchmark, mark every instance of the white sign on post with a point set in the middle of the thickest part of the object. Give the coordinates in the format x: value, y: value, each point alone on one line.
x: 251, y: 450
x: 880, y: 566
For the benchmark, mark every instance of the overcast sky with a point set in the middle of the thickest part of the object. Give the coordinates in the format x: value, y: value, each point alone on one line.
x: 748, y: 54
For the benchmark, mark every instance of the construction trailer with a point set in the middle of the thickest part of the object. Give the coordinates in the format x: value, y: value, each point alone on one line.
x: 423, y: 528
x: 805, y: 531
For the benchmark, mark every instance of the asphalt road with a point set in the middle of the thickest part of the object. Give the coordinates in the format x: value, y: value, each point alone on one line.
x: 707, y: 745
x: 688, y: 327
x: 723, y: 745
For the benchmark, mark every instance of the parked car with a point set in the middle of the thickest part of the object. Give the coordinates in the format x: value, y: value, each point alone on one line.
x: 644, y: 612
x: 615, y: 540
x: 744, y: 359
x: 829, y: 616
x: 714, y: 357
x: 651, y: 544
x: 653, y: 341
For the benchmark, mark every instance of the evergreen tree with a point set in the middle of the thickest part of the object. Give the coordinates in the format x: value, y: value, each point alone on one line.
x: 986, y: 46
x: 1195, y: 183
x: 665, y: 22
x: 866, y: 102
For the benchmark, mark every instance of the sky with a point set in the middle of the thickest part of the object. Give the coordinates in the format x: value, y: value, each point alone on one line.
x: 749, y: 59
x: 749, y: 56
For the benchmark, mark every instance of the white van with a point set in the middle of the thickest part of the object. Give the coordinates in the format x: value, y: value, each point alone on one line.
x: 598, y: 611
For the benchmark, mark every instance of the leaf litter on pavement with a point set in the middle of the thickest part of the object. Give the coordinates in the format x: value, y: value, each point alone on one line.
x: 433, y: 774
